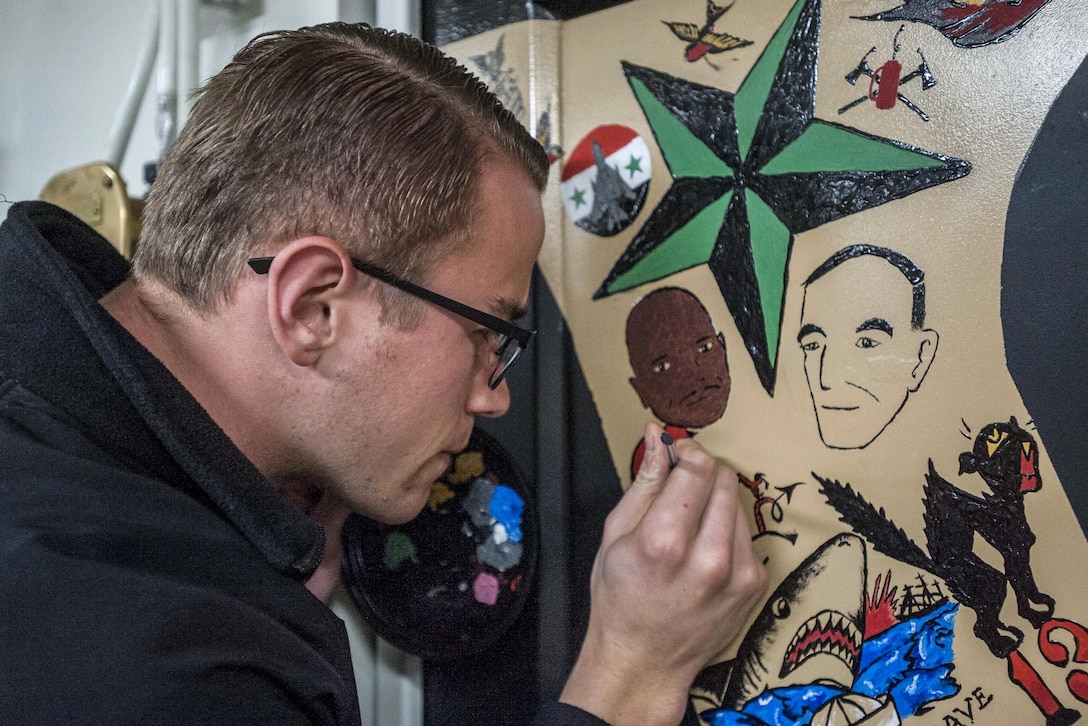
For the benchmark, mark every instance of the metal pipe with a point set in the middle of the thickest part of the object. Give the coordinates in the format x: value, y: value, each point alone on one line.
x: 125, y: 118
x: 402, y: 15
x: 166, y: 98
x: 188, y: 78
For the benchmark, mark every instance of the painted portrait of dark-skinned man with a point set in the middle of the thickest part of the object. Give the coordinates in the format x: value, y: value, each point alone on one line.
x: 680, y: 368
x: 679, y: 361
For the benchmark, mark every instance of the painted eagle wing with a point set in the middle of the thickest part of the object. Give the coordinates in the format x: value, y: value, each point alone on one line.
x: 686, y: 31
x: 723, y: 41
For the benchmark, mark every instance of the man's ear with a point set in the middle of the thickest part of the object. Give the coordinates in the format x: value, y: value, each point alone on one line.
x: 927, y: 349
x: 307, y: 295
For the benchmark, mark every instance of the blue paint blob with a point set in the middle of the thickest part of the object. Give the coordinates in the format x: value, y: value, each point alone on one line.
x: 506, y: 508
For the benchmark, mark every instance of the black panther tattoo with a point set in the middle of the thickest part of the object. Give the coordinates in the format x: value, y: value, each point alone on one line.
x: 1007, y: 458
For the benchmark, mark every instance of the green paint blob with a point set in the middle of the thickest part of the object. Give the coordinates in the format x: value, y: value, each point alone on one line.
x: 399, y: 548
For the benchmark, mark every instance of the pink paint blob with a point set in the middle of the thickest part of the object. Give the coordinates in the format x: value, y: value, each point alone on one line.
x: 486, y: 588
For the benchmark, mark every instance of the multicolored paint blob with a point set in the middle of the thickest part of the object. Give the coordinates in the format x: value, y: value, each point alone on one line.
x: 494, y: 513
x: 466, y: 466
x: 485, y: 588
x: 399, y: 549
x: 453, y: 579
x: 507, y: 507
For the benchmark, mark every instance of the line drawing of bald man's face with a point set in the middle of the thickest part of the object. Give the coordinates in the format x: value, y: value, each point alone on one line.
x: 864, y: 345
x: 679, y: 361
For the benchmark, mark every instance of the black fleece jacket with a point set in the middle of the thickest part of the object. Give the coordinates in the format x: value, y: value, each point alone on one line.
x: 148, y: 572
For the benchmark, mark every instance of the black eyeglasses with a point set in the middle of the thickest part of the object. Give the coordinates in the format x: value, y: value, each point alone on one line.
x: 512, y: 341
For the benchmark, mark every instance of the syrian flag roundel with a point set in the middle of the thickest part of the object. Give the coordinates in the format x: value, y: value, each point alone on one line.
x: 605, y: 179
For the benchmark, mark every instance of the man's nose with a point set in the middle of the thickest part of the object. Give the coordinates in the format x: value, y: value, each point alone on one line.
x: 487, y: 401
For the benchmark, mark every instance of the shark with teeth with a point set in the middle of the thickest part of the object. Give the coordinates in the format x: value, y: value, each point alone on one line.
x: 827, y: 632
x: 816, y: 616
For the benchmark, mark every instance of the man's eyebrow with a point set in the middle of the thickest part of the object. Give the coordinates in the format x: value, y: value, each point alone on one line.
x: 875, y: 324
x: 809, y: 328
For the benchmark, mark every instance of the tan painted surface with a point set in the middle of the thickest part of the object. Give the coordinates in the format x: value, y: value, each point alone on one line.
x: 986, y: 108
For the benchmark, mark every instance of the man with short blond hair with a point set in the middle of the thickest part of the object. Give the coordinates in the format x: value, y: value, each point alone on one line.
x: 334, y: 255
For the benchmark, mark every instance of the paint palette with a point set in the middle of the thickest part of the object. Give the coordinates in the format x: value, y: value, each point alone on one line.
x: 452, y: 581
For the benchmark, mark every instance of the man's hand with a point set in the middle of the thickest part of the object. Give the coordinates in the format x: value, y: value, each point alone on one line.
x: 672, y: 585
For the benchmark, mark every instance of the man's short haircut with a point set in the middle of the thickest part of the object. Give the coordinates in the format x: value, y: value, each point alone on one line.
x: 370, y: 137
x: 914, y: 274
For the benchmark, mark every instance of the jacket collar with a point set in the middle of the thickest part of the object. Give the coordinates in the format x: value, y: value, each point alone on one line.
x: 64, y: 347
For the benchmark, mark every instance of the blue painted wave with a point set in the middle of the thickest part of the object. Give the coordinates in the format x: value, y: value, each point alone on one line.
x: 911, y: 663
